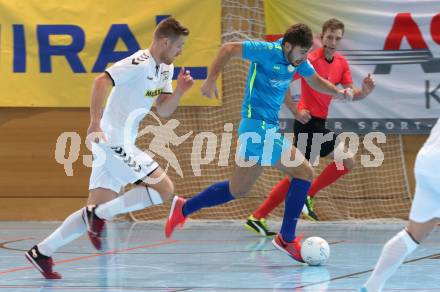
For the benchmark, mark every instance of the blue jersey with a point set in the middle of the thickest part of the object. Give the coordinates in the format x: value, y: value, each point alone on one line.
x: 270, y: 74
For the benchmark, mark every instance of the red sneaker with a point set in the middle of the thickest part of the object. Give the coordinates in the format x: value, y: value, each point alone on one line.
x: 293, y: 249
x: 42, y: 263
x: 175, y: 218
x: 95, y: 226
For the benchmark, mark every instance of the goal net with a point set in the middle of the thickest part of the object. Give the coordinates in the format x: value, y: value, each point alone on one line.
x: 364, y: 193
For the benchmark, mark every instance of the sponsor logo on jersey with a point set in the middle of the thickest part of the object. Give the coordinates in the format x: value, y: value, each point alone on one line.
x: 165, y: 75
x: 153, y: 92
x: 279, y: 83
x: 140, y: 59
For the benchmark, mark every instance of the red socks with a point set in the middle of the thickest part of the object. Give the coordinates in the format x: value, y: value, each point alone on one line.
x: 328, y: 176
x: 278, y: 194
x: 276, y: 197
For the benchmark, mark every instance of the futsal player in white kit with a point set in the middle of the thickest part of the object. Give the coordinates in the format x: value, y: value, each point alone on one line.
x: 424, y: 215
x: 138, y: 81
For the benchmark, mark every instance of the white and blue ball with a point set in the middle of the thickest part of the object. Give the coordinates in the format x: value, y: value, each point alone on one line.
x: 315, y: 251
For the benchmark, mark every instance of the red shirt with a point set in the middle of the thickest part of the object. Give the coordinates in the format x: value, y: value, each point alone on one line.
x: 337, y: 72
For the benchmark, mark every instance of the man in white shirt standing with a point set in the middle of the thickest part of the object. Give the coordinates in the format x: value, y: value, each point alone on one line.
x: 139, y: 81
x: 423, y: 217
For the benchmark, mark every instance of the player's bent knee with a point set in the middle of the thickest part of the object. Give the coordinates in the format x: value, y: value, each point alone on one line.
x: 304, y: 171
x: 419, y: 231
x: 238, y: 191
x: 100, y: 196
x: 417, y: 235
x: 166, y: 190
x: 349, y: 163
x: 169, y: 191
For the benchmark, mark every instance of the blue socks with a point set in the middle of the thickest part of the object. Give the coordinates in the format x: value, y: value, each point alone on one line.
x: 214, y: 195
x: 219, y: 193
x: 295, y: 199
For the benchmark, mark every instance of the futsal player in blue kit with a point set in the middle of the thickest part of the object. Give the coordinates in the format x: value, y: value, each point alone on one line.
x: 272, y: 67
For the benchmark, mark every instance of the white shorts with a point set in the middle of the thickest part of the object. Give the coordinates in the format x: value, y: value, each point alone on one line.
x: 426, y: 203
x: 114, y: 167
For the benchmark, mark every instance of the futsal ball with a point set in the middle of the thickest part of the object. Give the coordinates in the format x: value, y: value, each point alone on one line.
x: 315, y: 251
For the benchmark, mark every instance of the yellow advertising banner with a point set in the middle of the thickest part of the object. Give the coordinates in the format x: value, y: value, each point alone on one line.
x: 50, y: 51
x: 280, y: 14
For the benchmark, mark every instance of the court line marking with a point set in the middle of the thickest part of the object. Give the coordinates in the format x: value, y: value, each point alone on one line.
x: 116, y: 251
x: 162, y: 243
x: 181, y: 289
x: 3, y: 246
x: 88, y: 288
x: 365, y: 272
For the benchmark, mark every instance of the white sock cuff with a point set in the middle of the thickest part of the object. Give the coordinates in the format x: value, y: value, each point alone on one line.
x: 154, y: 195
x: 410, y: 243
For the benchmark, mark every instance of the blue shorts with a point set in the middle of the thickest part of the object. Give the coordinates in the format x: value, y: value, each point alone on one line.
x: 261, y: 142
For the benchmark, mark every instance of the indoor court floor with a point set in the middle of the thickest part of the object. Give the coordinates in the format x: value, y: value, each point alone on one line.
x: 211, y: 256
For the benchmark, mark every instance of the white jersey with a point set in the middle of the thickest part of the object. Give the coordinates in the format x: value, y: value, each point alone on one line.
x: 433, y: 142
x: 137, y: 81
x: 428, y: 158
x: 426, y: 203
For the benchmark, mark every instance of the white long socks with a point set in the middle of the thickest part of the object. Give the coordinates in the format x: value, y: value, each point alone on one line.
x: 72, y: 228
x: 74, y: 225
x: 393, y: 254
x: 133, y: 200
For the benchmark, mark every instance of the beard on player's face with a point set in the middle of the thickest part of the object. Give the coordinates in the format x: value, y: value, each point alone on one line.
x: 297, y: 55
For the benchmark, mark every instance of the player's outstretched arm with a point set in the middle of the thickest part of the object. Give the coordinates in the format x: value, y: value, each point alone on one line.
x: 100, y: 89
x: 320, y: 84
x: 166, y: 104
x: 226, y: 52
x: 368, y: 85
